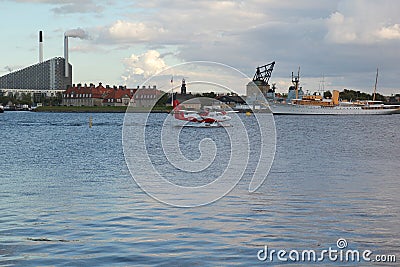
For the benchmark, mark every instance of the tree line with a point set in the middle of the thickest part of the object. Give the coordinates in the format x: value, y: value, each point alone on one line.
x: 352, y: 95
x: 18, y: 99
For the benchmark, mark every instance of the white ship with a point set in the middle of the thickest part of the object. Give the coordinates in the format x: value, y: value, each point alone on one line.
x: 316, y: 105
x: 342, y: 109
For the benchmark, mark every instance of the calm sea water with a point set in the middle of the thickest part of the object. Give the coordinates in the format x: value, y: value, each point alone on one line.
x: 67, y: 197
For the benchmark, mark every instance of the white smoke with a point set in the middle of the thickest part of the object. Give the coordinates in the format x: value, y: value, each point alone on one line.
x: 77, y: 33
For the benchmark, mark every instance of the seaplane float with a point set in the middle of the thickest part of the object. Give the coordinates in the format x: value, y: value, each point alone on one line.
x: 201, y: 119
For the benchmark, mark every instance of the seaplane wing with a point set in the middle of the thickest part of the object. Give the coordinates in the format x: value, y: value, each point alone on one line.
x: 207, y: 118
x: 188, y: 111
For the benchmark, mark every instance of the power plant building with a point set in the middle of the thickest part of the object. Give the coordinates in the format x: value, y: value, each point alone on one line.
x: 47, y: 75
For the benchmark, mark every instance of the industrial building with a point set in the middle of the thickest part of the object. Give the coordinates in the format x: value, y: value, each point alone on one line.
x: 259, y: 89
x: 43, y: 79
x: 48, y: 75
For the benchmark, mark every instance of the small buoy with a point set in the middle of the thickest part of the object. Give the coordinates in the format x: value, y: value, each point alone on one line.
x: 248, y: 113
x: 90, y: 122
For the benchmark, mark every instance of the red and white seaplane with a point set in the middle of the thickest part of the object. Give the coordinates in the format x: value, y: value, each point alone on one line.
x: 204, y: 118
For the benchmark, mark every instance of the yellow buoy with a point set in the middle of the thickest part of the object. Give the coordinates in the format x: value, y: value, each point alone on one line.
x: 248, y: 113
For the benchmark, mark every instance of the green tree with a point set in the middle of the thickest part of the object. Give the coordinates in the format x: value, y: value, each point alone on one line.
x: 327, y: 94
x: 380, y: 97
x: 52, y: 100
x: 210, y: 95
x: 3, y: 100
x: 163, y: 100
x: 25, y: 99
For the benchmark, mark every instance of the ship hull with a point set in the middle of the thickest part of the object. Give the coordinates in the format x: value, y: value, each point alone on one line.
x: 285, y: 109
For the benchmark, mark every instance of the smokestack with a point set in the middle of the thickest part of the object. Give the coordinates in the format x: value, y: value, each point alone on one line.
x: 335, y: 97
x: 74, y: 33
x: 40, y: 47
x: 66, y: 55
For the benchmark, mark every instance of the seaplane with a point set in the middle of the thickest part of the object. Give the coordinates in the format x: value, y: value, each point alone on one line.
x: 205, y: 118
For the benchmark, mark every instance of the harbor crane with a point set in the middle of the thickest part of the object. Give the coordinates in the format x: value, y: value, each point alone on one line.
x: 263, y: 73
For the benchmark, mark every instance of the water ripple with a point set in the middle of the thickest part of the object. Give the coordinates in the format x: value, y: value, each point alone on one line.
x: 66, y: 197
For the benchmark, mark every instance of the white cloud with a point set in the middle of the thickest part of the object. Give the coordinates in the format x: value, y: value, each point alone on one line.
x: 78, y: 7
x: 182, y: 22
x: 340, y: 29
x: 391, y: 32
x: 245, y: 34
x: 338, y: 38
x: 69, y: 6
x: 363, y: 22
x: 140, y: 67
x: 125, y: 31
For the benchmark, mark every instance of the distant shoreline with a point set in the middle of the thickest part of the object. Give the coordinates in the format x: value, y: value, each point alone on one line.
x: 107, y: 109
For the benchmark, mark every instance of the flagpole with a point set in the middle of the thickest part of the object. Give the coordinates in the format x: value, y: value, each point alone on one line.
x: 172, y: 97
x: 172, y: 90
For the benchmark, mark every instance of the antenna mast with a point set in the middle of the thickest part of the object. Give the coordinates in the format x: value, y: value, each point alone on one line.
x: 376, y: 82
x: 296, y: 81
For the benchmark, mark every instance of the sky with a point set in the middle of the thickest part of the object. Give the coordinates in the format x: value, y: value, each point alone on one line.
x: 339, y: 42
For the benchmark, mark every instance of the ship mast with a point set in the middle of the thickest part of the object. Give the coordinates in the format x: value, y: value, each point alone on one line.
x: 376, y: 82
x: 295, y: 81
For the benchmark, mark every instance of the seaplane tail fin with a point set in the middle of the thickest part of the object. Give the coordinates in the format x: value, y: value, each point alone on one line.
x: 175, y: 104
x: 178, y: 114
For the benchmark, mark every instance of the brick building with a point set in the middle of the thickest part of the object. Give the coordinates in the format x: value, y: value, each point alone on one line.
x: 146, y: 97
x: 85, y: 95
x: 110, y: 96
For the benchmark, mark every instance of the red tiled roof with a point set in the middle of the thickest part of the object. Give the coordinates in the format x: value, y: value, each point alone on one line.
x: 100, y: 92
x: 148, y: 92
x: 96, y: 92
x: 119, y: 94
